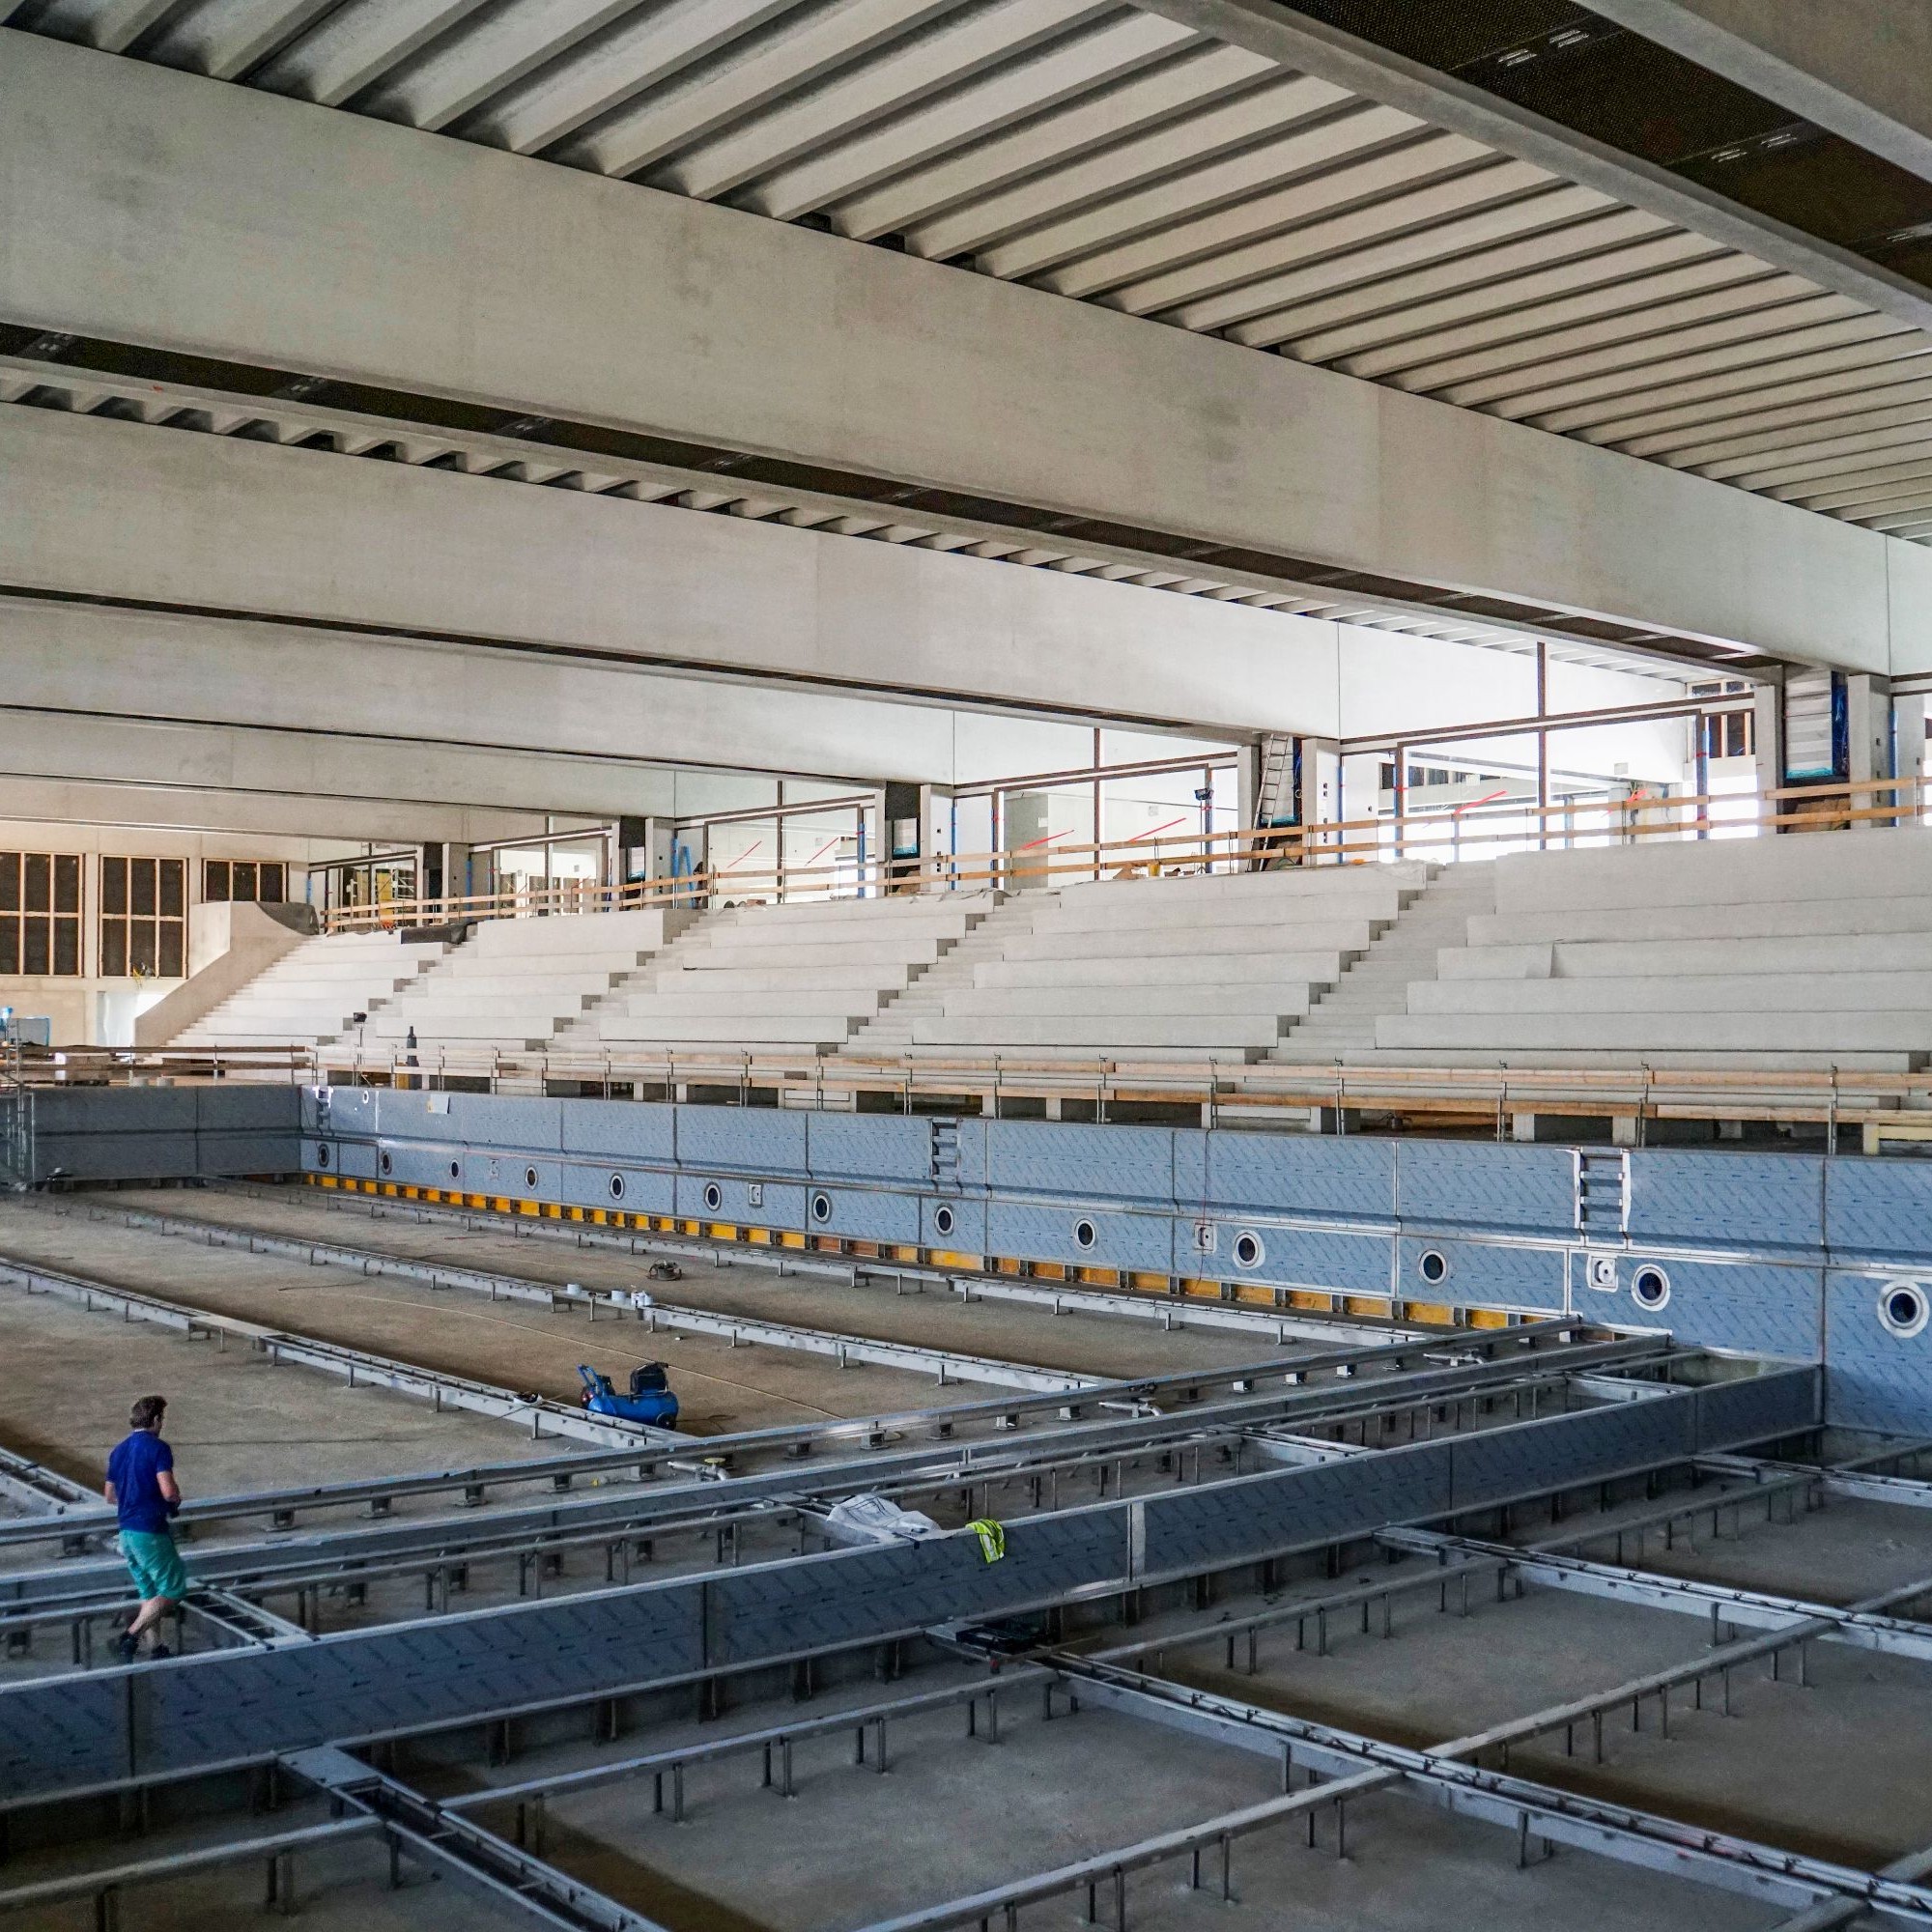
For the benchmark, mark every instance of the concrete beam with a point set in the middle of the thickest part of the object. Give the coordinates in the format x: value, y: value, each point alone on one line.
x: 408, y: 725
x: 96, y: 508
x: 153, y: 207
x: 1860, y: 68
x: 151, y: 805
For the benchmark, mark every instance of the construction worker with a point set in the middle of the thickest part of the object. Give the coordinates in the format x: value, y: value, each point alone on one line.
x: 142, y: 1488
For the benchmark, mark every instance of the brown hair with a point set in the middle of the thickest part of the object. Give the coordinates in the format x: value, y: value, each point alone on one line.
x: 147, y: 1411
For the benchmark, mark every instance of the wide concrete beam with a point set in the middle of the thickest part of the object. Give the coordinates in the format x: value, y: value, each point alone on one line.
x: 209, y: 707
x: 99, y: 508
x: 1861, y: 68
x: 155, y: 207
x: 127, y: 798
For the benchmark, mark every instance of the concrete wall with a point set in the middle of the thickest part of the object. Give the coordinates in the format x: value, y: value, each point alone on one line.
x: 92, y: 1008
x: 159, y: 208
x: 228, y: 946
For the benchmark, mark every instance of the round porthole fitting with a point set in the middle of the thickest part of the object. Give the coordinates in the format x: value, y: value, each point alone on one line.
x: 321, y: 1156
x: 529, y: 1177
x: 1649, y: 1288
x: 941, y: 1220
x: 616, y: 1187
x: 1248, y: 1250
x: 714, y: 1196
x: 1085, y: 1233
x: 1434, y: 1267
x: 821, y: 1207
x: 1903, y: 1308
x: 383, y: 1161
x: 456, y: 1170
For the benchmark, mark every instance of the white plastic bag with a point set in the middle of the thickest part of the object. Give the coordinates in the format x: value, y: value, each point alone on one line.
x: 874, y: 1519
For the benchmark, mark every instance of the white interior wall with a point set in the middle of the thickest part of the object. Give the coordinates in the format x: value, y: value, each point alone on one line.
x: 92, y: 1008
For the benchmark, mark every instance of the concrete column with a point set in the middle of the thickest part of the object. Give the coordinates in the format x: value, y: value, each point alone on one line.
x: 1907, y: 741
x: 1321, y: 801
x: 1868, y: 725
x: 1768, y: 734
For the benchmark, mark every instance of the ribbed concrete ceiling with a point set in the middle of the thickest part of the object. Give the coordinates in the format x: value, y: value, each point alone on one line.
x: 1107, y: 153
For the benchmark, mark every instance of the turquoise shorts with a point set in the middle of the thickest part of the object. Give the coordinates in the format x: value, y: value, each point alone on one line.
x: 155, y: 1564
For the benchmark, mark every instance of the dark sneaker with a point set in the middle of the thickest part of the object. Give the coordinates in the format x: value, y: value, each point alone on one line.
x: 159, y: 1651
x: 129, y: 1647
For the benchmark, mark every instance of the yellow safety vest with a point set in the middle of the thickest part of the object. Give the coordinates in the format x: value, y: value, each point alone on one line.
x: 992, y: 1538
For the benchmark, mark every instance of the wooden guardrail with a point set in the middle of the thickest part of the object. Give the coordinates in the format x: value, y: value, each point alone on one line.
x: 1450, y: 835
x: 1463, y: 1095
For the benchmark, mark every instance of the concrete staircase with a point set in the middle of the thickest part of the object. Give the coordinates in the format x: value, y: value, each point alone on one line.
x: 890, y: 1037
x: 1341, y: 1023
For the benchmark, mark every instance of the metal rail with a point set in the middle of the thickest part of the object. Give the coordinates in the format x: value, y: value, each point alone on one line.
x: 1064, y: 1298
x: 946, y: 1365
x: 356, y: 1366
x: 1444, y: 1774
x: 1724, y: 1604
x: 440, y: 1839
x: 436, y: 1547
x: 647, y: 1450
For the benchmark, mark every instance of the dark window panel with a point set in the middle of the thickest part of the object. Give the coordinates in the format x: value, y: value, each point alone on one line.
x: 143, y: 953
x: 36, y: 956
x: 67, y: 948
x: 10, y: 945
x: 214, y: 885
x: 173, y: 887
x: 141, y: 887
x: 274, y: 884
x: 10, y: 882
x: 38, y: 883
x: 171, y: 966
x: 113, y: 949
x: 66, y: 882
x: 114, y: 885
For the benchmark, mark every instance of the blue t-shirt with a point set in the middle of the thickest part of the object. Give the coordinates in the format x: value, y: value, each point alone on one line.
x: 132, y: 1469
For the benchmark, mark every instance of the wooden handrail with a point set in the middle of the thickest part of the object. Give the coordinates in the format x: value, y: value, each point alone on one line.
x: 1571, y: 824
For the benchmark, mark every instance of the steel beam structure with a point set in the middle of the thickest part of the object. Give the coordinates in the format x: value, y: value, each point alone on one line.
x: 1726, y: 1606
x: 443, y: 1841
x: 1446, y: 1775
x: 70, y: 1734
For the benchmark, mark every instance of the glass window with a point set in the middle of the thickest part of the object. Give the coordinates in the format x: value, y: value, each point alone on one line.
x: 144, y: 918
x: 40, y: 912
x: 256, y: 880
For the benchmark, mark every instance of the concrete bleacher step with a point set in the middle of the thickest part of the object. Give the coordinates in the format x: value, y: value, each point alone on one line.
x: 1703, y: 874
x: 1848, y: 953
x: 1100, y: 1032
x: 1636, y: 1062
x: 1179, y: 969
x: 1733, y: 1030
x: 1199, y: 941
x: 1763, y: 919
x: 1341, y: 1022
x: 1129, y: 1002
x: 1681, y: 993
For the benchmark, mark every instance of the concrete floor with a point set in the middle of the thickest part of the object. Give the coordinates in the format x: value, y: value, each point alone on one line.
x: 519, y: 1346
x: 1836, y: 1770
x: 235, y: 1422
